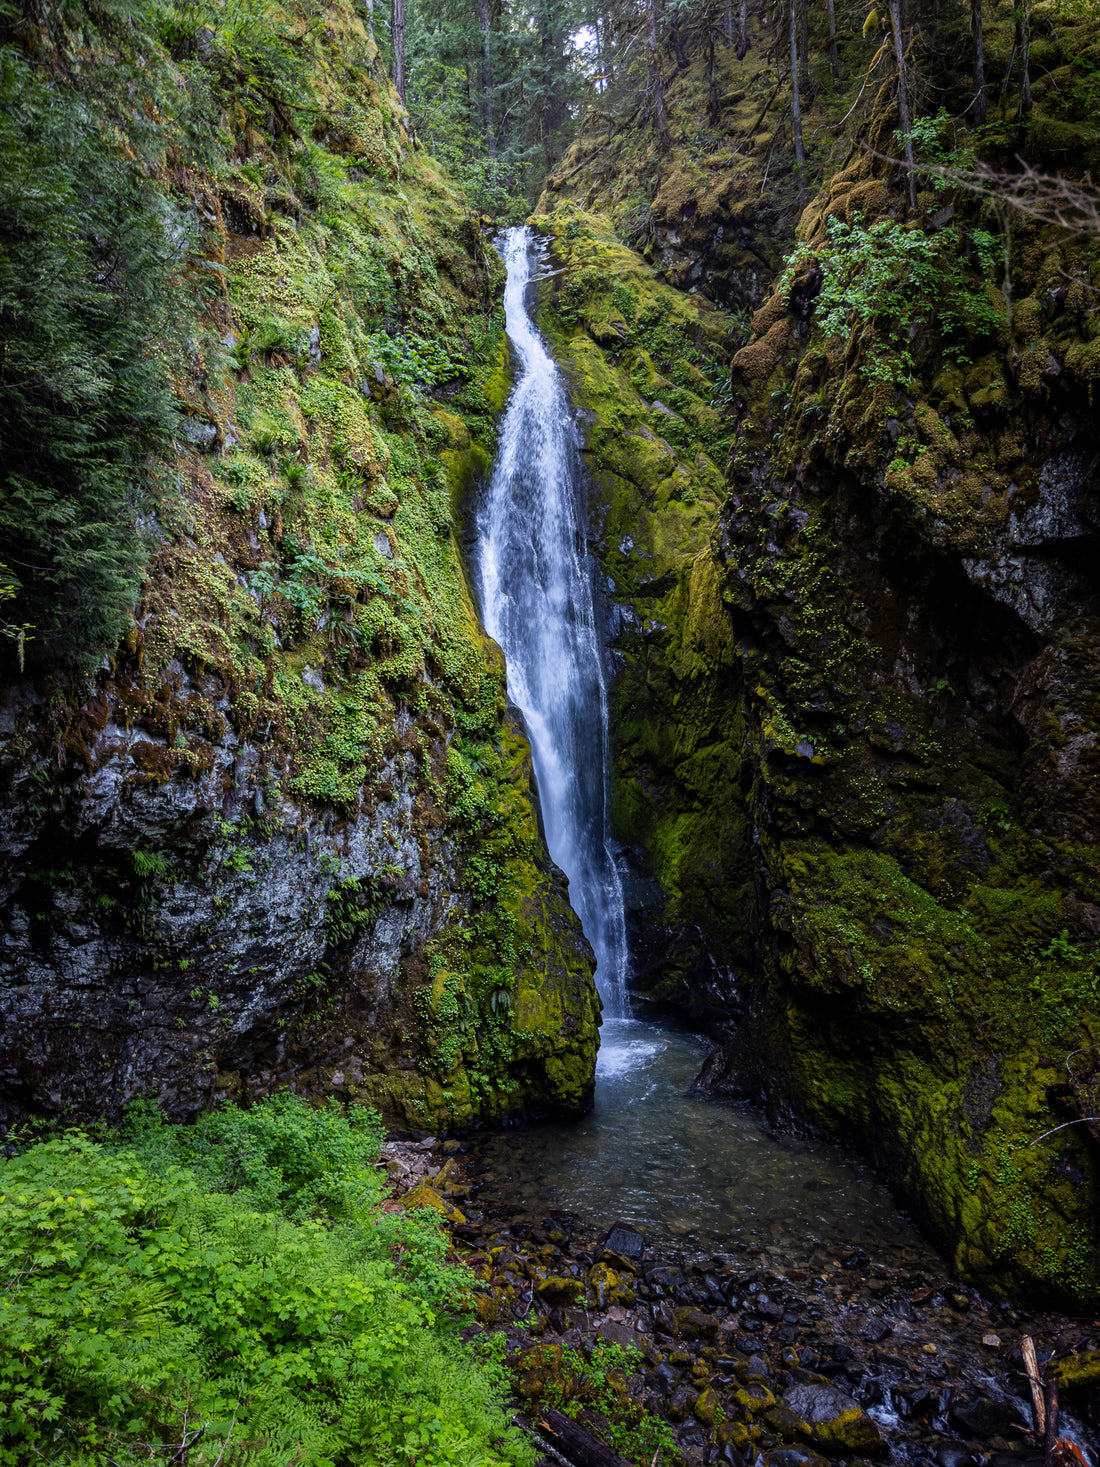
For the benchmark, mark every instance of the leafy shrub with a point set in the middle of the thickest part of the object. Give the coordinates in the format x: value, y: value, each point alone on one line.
x: 230, y: 1292
x: 883, y: 280
x: 413, y: 360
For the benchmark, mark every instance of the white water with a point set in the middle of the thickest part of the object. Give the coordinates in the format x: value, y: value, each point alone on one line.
x: 533, y: 574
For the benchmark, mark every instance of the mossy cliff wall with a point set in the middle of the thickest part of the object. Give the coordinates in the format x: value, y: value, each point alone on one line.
x: 909, y: 560
x: 285, y: 835
x: 886, y: 657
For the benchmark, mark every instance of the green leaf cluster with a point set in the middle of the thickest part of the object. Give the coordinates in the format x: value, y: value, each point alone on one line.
x: 231, y: 1292
x: 883, y: 282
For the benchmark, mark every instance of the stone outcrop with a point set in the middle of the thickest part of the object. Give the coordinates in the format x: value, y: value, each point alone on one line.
x: 285, y: 835
x: 856, y: 724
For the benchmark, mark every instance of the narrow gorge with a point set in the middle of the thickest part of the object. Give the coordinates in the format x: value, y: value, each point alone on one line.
x: 549, y: 733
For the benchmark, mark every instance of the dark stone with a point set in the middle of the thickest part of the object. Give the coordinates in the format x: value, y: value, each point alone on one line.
x: 664, y: 1276
x: 625, y: 1242
x: 695, y: 1324
x: 616, y: 1332
x: 954, y: 1454
x: 985, y: 1417
x: 792, y: 1457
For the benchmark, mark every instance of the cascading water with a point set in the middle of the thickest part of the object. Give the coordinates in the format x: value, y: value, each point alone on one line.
x: 535, y: 585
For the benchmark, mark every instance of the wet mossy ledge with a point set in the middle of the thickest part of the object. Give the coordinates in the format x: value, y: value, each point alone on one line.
x: 284, y: 836
x: 648, y: 370
x: 855, y: 702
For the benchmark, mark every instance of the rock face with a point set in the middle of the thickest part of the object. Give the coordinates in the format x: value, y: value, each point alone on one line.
x: 919, y: 639
x: 856, y: 721
x: 195, y: 936
x: 285, y: 836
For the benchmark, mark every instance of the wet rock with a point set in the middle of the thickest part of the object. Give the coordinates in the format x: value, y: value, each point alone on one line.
x: 707, y: 1406
x: 954, y: 1454
x: 837, y: 1422
x: 424, y: 1196
x: 1078, y: 1372
x: 733, y: 1434
x: 792, y: 1457
x: 664, y: 1276
x: 986, y: 1417
x: 626, y: 1243
x: 787, y: 1423
x: 694, y: 1324
x: 681, y: 1403
x: 555, y: 1290
x: 754, y: 1398
x: 617, y: 1332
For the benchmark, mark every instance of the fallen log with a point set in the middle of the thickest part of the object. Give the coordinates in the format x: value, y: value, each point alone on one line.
x: 574, y: 1442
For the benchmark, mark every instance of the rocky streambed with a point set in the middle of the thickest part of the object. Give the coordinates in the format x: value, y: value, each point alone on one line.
x: 665, y: 1351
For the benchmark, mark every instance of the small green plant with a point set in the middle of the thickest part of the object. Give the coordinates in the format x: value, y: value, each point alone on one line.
x: 880, y: 283
x: 233, y: 1282
x: 148, y: 864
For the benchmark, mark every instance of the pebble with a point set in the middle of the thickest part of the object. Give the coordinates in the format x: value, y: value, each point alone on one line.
x: 747, y: 1360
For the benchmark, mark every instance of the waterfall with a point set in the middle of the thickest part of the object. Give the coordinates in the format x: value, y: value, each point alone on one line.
x: 534, y: 580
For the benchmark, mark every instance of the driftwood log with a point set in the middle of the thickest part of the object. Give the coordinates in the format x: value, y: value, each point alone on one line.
x: 574, y: 1442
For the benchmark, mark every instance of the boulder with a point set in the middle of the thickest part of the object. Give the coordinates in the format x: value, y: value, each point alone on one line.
x: 836, y: 1422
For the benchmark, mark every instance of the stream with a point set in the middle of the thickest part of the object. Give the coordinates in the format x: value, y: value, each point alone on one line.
x: 757, y: 1257
x: 699, y: 1172
x: 649, y: 1153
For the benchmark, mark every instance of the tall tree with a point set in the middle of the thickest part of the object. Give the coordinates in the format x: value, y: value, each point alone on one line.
x: 397, y: 36
x: 834, y: 58
x: 904, y: 116
x: 979, y: 60
x: 656, y: 80
x: 796, y: 100
x: 482, y: 7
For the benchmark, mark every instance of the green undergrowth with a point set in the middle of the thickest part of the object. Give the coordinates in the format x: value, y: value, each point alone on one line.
x: 596, y: 1391
x: 231, y: 1292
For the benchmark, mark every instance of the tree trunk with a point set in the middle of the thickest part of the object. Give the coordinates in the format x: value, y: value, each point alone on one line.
x: 678, y: 47
x: 743, y: 31
x: 834, y: 57
x: 656, y: 79
x: 575, y: 1443
x: 397, y: 34
x: 979, y: 61
x: 804, y: 49
x: 486, y: 78
x: 1023, y: 44
x: 903, y: 101
x: 370, y: 19
x: 796, y: 101
x: 714, y: 109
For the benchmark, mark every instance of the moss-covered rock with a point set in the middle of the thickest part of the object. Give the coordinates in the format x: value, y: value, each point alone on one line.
x: 917, y: 640
x: 285, y: 837
x: 653, y: 450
